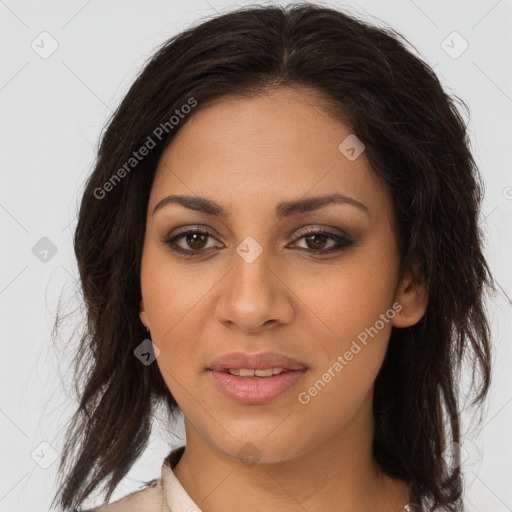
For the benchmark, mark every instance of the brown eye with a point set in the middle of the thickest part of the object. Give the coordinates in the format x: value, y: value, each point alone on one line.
x: 316, y: 241
x: 193, y: 241
x: 196, y: 240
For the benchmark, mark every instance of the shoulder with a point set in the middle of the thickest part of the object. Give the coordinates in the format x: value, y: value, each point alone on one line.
x: 149, y: 499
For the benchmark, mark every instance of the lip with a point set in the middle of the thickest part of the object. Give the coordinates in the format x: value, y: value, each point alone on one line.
x: 249, y: 391
x: 260, y: 361
x: 254, y: 391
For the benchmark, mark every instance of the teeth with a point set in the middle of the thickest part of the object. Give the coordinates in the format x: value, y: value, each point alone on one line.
x: 269, y: 372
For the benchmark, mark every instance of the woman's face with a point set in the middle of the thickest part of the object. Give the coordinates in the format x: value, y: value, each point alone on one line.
x: 258, y: 281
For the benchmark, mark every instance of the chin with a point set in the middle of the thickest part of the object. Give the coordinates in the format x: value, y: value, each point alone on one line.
x: 251, y: 450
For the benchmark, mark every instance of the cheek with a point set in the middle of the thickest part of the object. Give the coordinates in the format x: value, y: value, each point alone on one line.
x: 173, y: 291
x: 356, y: 306
x: 343, y: 377
x: 351, y: 296
x: 176, y: 300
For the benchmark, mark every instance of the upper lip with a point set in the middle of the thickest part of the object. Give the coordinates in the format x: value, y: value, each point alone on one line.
x: 261, y: 361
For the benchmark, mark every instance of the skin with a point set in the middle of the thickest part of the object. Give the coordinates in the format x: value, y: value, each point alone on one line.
x: 247, y: 155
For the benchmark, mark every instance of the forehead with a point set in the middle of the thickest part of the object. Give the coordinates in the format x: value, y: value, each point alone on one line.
x: 279, y: 145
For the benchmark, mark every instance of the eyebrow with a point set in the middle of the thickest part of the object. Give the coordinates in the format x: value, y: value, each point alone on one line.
x: 282, y: 210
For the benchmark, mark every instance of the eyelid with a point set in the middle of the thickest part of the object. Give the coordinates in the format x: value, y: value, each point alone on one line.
x: 342, y: 240
x: 301, y: 231
x: 324, y: 229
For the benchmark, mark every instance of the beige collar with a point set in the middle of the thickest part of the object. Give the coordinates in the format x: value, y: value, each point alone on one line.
x: 176, y: 498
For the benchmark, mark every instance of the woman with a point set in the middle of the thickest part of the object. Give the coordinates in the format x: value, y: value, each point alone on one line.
x: 286, y: 205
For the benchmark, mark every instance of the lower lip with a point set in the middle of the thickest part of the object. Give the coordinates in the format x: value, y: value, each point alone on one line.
x: 256, y: 391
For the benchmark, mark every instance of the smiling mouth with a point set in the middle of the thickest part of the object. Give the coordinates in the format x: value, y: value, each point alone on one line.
x: 256, y: 390
x: 256, y: 374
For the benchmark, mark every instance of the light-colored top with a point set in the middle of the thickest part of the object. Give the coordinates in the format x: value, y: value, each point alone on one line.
x: 165, y: 494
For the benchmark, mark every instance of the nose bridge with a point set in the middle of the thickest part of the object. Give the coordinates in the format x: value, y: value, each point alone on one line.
x: 253, y: 293
x: 252, y: 277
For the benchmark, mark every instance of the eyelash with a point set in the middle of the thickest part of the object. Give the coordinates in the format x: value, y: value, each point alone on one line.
x: 342, y: 242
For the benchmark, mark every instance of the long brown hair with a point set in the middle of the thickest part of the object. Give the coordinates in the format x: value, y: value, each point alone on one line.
x: 416, y: 142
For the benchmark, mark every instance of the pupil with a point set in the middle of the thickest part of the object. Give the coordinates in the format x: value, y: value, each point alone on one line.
x: 191, y: 240
x: 322, y: 237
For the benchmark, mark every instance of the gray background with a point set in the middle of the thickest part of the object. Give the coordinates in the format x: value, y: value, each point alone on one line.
x: 52, y: 110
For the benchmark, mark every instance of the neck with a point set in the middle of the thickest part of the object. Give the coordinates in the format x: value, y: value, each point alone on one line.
x: 339, y: 474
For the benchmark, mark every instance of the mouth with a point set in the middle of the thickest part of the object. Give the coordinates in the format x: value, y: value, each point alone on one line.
x: 249, y: 388
x: 265, y: 364
x: 256, y: 379
x: 248, y: 373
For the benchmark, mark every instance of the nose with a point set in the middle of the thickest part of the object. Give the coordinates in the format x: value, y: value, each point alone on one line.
x: 253, y: 296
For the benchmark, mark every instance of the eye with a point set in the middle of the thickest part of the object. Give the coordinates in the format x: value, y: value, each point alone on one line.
x: 316, y: 240
x: 195, y: 241
x: 194, y: 238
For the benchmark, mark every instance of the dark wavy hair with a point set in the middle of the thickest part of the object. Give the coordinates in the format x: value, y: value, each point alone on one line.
x: 417, y: 144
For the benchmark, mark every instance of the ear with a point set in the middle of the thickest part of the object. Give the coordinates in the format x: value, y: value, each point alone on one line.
x: 413, y: 297
x: 142, y: 314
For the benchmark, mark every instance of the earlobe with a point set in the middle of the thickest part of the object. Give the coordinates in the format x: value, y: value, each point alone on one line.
x: 142, y: 314
x: 413, y: 297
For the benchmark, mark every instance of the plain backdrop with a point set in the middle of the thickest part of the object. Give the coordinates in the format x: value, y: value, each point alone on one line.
x: 65, y: 66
